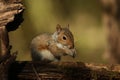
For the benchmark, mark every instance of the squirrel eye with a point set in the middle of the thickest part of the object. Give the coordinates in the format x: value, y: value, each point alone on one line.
x: 64, y: 38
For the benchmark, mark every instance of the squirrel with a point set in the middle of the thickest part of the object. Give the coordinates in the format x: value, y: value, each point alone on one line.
x: 50, y: 47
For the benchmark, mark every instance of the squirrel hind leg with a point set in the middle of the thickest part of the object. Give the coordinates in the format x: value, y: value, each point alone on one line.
x: 35, y: 56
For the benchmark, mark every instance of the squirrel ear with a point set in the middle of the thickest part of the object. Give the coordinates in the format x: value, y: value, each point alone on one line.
x: 58, y: 28
x: 68, y: 26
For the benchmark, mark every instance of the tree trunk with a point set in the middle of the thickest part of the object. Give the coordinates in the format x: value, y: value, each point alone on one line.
x: 111, y: 21
x: 10, y: 18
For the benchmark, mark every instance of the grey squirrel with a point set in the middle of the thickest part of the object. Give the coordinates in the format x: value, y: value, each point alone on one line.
x: 51, y: 47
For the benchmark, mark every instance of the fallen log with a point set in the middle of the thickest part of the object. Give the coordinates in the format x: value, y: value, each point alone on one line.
x: 63, y: 71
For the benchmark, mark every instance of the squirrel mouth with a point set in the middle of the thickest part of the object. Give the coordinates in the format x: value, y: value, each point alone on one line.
x: 72, y: 54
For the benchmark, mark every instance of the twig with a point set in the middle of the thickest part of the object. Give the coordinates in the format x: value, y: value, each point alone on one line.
x: 38, y: 78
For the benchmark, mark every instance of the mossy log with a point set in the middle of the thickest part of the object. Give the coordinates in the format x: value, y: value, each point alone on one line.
x: 62, y: 71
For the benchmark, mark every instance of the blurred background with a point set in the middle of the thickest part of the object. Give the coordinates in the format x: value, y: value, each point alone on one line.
x: 83, y: 16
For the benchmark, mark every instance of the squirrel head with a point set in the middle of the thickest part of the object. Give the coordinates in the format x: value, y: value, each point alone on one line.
x: 65, y: 36
x: 65, y: 40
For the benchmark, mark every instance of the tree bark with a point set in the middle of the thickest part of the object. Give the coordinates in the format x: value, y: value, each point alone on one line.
x: 10, y: 19
x: 8, y: 10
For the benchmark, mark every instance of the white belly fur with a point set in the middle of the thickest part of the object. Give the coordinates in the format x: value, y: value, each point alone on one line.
x: 45, y: 54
